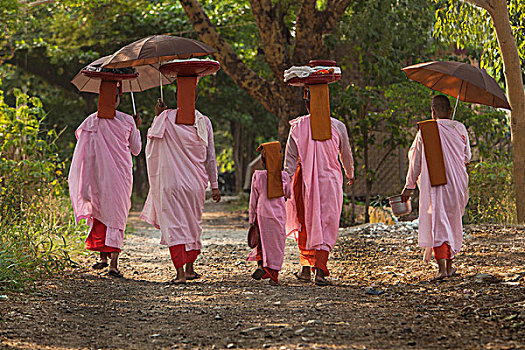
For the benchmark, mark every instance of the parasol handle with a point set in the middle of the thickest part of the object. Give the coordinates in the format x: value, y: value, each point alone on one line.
x: 160, y: 79
x: 160, y: 82
x: 132, y: 99
x: 457, y: 100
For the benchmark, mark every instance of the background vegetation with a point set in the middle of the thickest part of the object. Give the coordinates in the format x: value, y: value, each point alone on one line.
x: 37, y: 231
x: 44, y: 44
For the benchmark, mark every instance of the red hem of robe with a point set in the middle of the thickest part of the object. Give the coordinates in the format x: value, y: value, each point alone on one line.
x: 180, y: 257
x: 442, y: 252
x: 270, y: 273
x: 96, y: 240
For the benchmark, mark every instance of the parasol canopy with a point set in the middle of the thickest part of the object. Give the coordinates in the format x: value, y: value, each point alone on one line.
x: 462, y: 81
x: 156, y: 49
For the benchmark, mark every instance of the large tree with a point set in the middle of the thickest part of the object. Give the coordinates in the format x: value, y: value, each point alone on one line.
x: 509, y: 58
x: 291, y: 33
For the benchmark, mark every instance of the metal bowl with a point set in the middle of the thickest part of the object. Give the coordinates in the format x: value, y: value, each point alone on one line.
x: 399, y: 208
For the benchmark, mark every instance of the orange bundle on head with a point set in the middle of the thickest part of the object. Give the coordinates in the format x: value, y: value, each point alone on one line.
x: 271, y: 151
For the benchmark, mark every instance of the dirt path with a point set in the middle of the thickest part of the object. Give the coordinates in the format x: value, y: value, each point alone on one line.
x: 382, y: 297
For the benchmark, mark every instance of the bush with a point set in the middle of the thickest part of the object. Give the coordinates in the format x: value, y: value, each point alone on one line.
x: 37, y: 230
x: 492, y: 194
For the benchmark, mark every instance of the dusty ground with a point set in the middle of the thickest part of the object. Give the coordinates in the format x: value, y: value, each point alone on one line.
x: 382, y: 297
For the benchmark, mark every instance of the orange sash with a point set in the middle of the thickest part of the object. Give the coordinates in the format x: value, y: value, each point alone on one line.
x: 320, y: 122
x: 274, y: 165
x: 433, y: 152
x: 186, y: 100
x: 107, y: 99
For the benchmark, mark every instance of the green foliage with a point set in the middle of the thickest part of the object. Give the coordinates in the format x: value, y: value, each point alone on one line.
x: 492, y: 195
x: 381, y: 118
x: 36, y: 227
x: 385, y: 35
x: 470, y: 27
x: 489, y: 132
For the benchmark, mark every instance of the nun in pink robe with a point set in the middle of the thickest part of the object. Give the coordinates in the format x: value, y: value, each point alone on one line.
x: 101, y: 174
x: 318, y: 186
x: 270, y: 216
x: 181, y: 162
x: 441, y: 207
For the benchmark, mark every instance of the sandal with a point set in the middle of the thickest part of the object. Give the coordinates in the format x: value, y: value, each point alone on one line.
x: 258, y: 274
x: 175, y: 282
x: 194, y: 277
x: 323, y: 282
x: 100, y: 265
x: 114, y: 273
x: 302, y: 279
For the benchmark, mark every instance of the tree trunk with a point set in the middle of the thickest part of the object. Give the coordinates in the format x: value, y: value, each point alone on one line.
x: 367, y: 176
x: 237, y: 154
x: 499, y: 13
x: 281, y: 100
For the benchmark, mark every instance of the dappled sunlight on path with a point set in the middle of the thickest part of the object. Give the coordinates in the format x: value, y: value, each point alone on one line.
x: 381, y: 298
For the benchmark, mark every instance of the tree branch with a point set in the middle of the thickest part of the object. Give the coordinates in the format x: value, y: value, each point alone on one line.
x: 259, y: 88
x: 35, y: 62
x: 382, y: 160
x: 274, y: 34
x: 485, y: 4
x: 306, y: 36
x: 333, y: 13
x: 312, y: 24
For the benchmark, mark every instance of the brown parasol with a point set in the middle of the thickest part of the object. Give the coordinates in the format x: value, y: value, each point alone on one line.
x: 156, y: 49
x: 147, y: 79
x: 462, y: 81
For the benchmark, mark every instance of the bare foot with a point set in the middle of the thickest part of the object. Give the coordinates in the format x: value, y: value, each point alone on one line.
x: 452, y: 271
x: 181, y: 276
x: 194, y: 276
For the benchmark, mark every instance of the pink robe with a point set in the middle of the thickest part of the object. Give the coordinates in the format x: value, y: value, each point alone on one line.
x: 322, y: 181
x: 101, y: 174
x: 441, y: 207
x: 180, y: 164
x: 271, y: 218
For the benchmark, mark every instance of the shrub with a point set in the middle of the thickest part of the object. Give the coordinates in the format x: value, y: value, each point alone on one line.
x: 36, y: 226
x: 492, y: 195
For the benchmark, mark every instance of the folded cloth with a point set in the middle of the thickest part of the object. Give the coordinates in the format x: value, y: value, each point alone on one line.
x: 190, y: 60
x: 306, y: 71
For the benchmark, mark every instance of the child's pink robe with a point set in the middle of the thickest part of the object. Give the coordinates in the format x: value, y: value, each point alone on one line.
x: 322, y: 181
x: 441, y: 207
x: 271, y: 218
x: 101, y: 174
x: 180, y: 164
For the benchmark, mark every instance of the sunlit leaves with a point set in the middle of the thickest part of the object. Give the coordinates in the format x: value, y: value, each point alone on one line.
x: 467, y: 26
